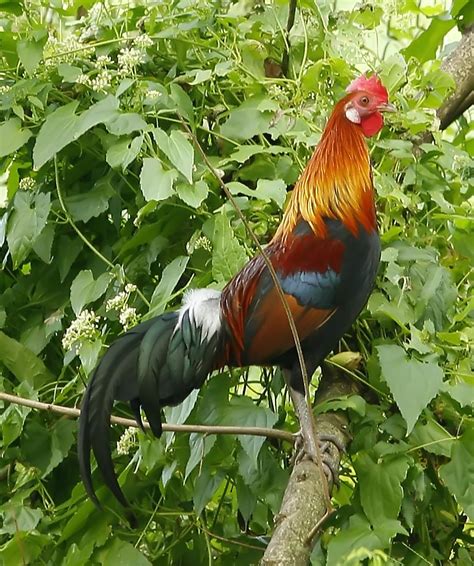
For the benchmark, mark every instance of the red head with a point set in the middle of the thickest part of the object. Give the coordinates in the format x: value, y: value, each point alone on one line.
x: 366, y: 100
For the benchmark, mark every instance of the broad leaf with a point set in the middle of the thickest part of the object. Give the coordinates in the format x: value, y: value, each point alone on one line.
x: 155, y: 182
x: 228, y: 256
x: 178, y: 150
x: 169, y: 279
x: 26, y: 223
x: 458, y: 474
x: 85, y: 289
x: 12, y: 136
x: 380, y: 486
x: 413, y: 383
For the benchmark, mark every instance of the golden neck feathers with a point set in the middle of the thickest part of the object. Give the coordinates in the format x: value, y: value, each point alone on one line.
x: 336, y: 183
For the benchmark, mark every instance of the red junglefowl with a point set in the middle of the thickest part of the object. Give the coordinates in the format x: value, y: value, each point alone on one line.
x: 325, y: 254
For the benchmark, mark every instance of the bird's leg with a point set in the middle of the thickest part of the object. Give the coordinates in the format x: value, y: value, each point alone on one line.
x: 313, y: 443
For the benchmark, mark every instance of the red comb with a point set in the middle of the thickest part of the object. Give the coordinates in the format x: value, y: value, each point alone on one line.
x: 372, y: 84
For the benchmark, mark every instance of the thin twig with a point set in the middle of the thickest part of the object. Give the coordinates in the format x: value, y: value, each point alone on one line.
x: 201, y: 429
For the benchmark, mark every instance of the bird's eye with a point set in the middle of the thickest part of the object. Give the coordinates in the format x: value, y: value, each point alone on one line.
x: 364, y: 100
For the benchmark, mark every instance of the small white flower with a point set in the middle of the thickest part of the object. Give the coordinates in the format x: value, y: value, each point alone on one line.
x: 127, y: 441
x: 118, y: 302
x: 128, y: 317
x: 153, y: 94
x: 102, y: 81
x: 130, y: 287
x: 82, y: 79
x: 84, y: 328
x: 102, y: 61
x: 128, y: 59
x: 4, y: 89
x: 143, y: 41
x: 27, y: 184
x: 204, y: 243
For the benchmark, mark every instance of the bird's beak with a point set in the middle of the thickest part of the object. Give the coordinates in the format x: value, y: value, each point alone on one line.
x: 386, y: 107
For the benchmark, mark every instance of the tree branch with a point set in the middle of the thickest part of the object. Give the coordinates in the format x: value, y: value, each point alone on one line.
x: 460, y: 65
x: 303, y: 510
x: 202, y: 429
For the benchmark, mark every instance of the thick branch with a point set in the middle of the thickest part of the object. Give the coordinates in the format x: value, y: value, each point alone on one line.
x: 460, y: 65
x: 285, y: 62
x: 304, y: 510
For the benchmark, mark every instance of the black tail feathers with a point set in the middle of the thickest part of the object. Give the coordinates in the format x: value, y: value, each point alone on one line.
x: 157, y: 363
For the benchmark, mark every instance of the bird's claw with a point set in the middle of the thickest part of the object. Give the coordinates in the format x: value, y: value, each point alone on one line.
x: 304, y: 450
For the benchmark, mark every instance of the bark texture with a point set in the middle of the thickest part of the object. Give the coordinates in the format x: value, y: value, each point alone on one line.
x: 460, y: 65
x: 304, y: 504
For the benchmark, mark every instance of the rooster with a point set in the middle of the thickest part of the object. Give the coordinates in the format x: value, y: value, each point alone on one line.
x: 325, y: 254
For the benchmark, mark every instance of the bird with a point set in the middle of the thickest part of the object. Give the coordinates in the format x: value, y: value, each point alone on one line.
x: 325, y: 255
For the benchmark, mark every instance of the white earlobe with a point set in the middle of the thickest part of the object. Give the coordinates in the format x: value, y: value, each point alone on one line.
x: 352, y: 115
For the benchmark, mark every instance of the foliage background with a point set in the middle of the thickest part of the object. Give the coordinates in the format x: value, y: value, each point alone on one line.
x: 108, y: 214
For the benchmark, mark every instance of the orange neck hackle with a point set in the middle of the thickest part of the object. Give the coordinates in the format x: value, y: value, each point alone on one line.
x: 336, y: 183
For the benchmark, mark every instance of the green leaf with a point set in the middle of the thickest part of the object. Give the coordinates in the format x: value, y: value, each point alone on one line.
x: 458, y: 474
x: 30, y: 53
x: 249, y: 120
x: 228, y: 256
x: 199, y: 446
x: 242, y: 411
x: 45, y: 449
x: 193, y: 194
x: 178, y: 150
x: 124, y: 124
x: 266, y: 189
x: 12, y: 136
x: 84, y: 206
x: 19, y: 518
x: 169, y: 279
x: 63, y: 126
x: 26, y: 223
x: 413, y: 383
x: 381, y: 492
x: 122, y: 553
x: 85, y: 289
x: 360, y: 534
x: 21, y: 361
x: 124, y: 152
x: 155, y: 182
x: 425, y: 46
x: 205, y: 486
x: 432, y: 437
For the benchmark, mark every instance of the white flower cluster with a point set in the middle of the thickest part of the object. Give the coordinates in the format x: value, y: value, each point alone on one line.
x: 127, y: 441
x: 143, y: 41
x: 127, y: 315
x: 102, y: 61
x: 84, y: 328
x: 4, y: 89
x: 128, y: 59
x: 204, y: 243
x: 66, y: 50
x: 153, y: 94
x: 102, y: 81
x: 27, y: 184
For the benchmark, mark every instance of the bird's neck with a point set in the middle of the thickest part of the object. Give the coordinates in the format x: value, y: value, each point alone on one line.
x: 336, y: 183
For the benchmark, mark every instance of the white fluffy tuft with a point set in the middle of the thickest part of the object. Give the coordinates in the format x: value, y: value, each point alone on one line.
x: 204, y: 310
